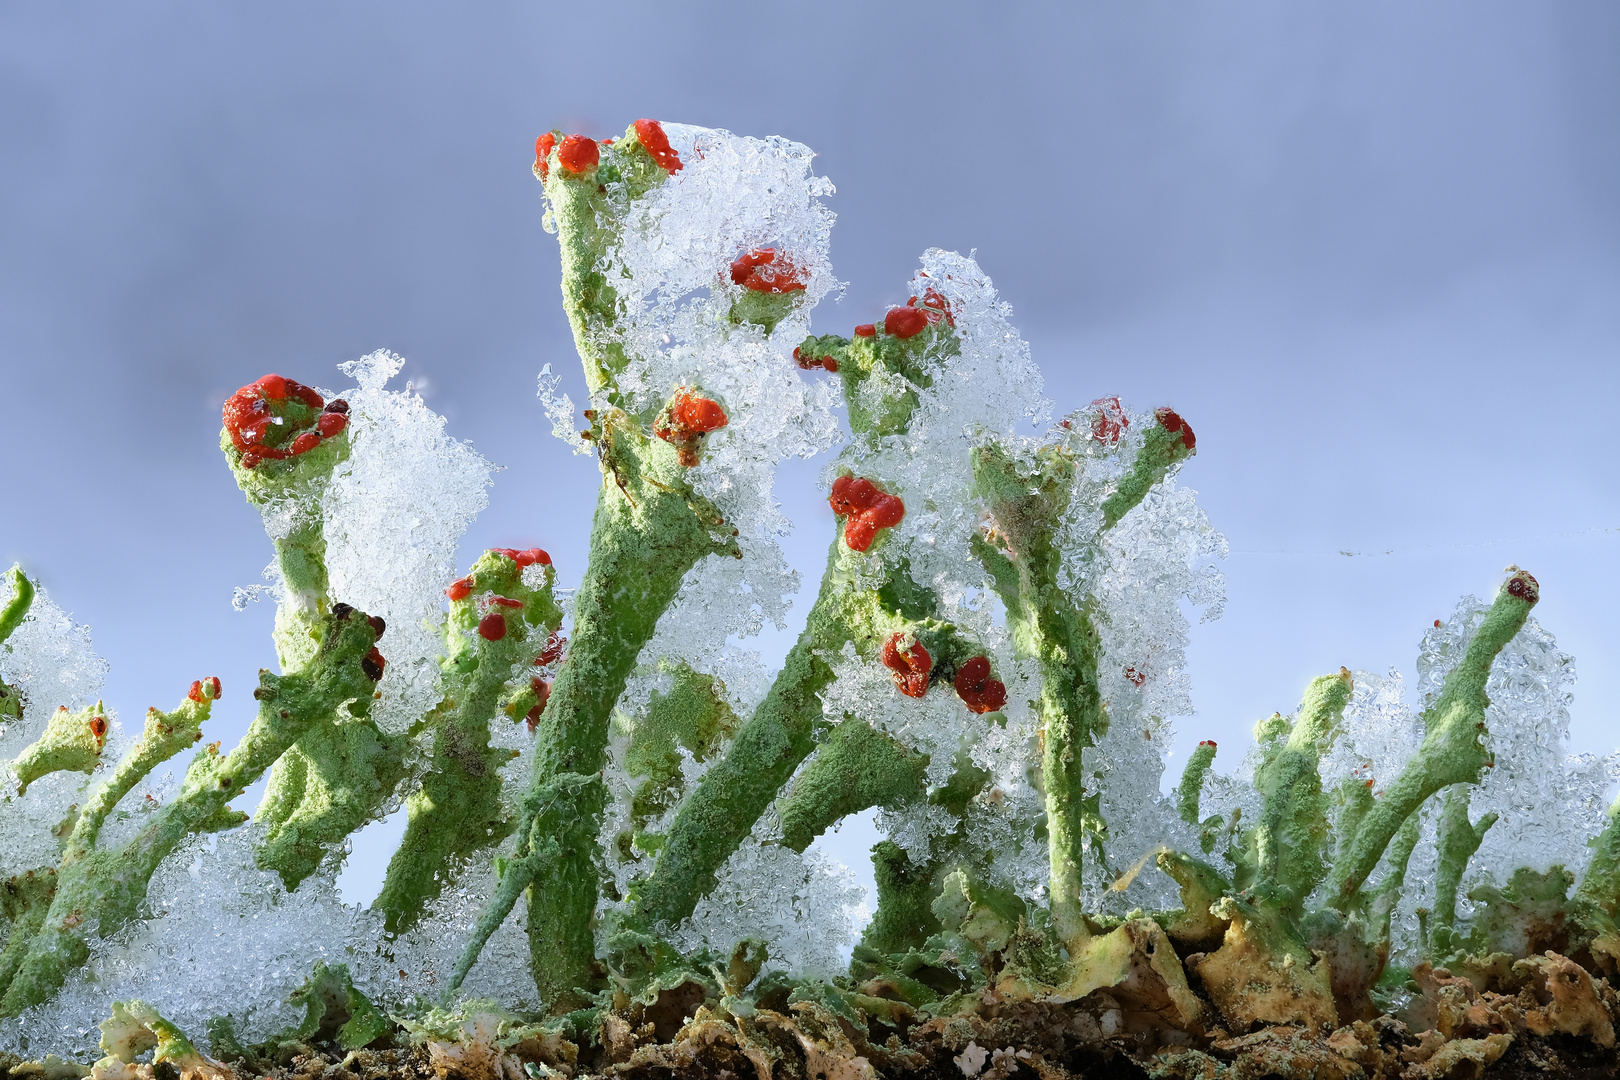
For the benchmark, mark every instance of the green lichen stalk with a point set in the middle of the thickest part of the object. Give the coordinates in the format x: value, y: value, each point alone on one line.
x: 498, y: 626
x: 99, y: 890
x: 850, y: 607
x: 1027, y: 500
x: 1453, y: 751
x: 650, y: 528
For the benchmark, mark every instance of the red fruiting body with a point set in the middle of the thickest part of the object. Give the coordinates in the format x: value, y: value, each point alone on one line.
x: 1437, y: 624
x: 868, y: 508
x: 1208, y: 742
x: 306, y: 442
x: 578, y: 154
x: 851, y: 494
x: 977, y: 689
x: 330, y: 423
x: 698, y: 414
x: 689, y: 416
x: 904, y: 322
x: 759, y: 271
x: 98, y: 727
x: 542, y: 694
x: 935, y: 308
x: 506, y: 601
x: 336, y: 405
x: 530, y: 556
x: 553, y: 649
x: 204, y: 690
x: 378, y: 626
x: 1110, y: 421
x: 459, y: 589
x: 911, y: 667
x: 542, y: 150
x: 492, y: 627
x: 257, y: 415
x: 808, y: 362
x: 1135, y: 677
x: 866, y: 330
x: 1524, y: 587
x: 1172, y: 422
x: 373, y: 664
x: 651, y: 135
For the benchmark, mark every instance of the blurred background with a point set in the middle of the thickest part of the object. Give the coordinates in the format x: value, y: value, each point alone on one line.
x: 1371, y: 251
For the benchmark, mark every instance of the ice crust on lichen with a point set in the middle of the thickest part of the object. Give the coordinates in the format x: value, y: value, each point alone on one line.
x: 806, y: 906
x: 676, y: 321
x: 1549, y: 801
x: 393, y: 514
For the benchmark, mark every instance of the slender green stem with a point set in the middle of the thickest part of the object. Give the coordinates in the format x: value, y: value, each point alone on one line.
x: 1452, y: 750
x: 1458, y: 840
x: 1061, y: 633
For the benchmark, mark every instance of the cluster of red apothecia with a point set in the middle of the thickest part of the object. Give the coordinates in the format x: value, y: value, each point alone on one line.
x: 807, y: 362
x: 688, y: 418
x: 580, y: 153
x: 253, y: 415
x: 761, y: 270
x: 1523, y: 586
x: 1110, y: 420
x: 461, y: 588
x: 1172, y: 422
x: 866, y: 508
x: 492, y: 627
x: 204, y: 690
x: 912, y: 666
x: 913, y: 319
x: 975, y: 686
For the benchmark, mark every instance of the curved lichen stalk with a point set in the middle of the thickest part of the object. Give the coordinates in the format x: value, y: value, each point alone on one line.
x: 1453, y: 749
x: 650, y: 528
x: 1027, y: 499
x: 283, y: 441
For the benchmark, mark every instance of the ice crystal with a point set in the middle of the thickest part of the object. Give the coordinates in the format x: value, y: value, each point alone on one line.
x: 51, y: 660
x: 807, y: 906
x: 393, y: 515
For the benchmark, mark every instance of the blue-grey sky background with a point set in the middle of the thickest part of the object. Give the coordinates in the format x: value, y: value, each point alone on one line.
x: 1371, y: 250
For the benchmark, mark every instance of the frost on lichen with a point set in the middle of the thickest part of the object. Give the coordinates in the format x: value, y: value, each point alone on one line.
x: 616, y: 810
